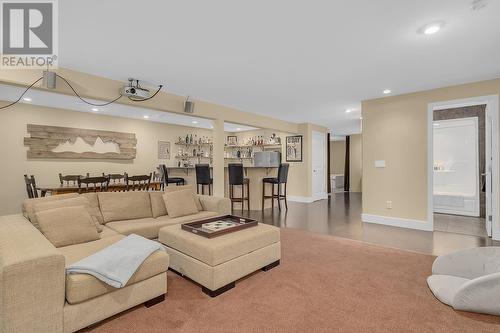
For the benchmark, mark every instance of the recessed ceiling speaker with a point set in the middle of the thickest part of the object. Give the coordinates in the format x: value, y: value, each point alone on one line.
x: 188, y: 106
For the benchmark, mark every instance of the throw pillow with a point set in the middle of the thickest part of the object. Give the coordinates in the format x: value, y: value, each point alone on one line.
x: 67, y: 225
x: 29, y: 205
x: 72, y: 202
x: 180, y: 203
x: 170, y: 189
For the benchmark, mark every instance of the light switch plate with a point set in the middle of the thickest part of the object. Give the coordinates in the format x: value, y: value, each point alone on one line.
x: 380, y: 164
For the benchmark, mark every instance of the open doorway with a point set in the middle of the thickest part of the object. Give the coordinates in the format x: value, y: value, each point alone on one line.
x: 464, y: 166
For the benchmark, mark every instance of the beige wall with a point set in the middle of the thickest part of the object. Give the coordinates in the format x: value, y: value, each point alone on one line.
x: 395, y: 130
x: 355, y: 162
x: 337, y: 157
x: 100, y: 88
x: 92, y: 86
x: 15, y: 164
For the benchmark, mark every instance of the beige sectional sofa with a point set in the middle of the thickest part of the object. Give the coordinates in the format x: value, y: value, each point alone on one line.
x: 35, y: 293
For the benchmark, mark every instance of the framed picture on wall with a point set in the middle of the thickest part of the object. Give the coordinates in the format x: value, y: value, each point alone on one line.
x: 232, y: 140
x: 163, y: 150
x: 294, y: 148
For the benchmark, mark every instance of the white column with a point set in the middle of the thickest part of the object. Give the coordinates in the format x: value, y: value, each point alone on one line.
x: 218, y: 157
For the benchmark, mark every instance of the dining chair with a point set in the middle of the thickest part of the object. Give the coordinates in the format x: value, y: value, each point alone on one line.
x: 93, y: 184
x: 115, y: 177
x: 138, y: 183
x: 69, y: 180
x: 31, y: 186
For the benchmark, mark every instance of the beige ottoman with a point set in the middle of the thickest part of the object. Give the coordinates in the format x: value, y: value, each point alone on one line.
x: 216, y: 263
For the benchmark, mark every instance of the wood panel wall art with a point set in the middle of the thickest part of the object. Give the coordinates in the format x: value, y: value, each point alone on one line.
x: 53, y: 142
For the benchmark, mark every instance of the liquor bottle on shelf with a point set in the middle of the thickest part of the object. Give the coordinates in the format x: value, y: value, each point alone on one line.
x: 187, y: 139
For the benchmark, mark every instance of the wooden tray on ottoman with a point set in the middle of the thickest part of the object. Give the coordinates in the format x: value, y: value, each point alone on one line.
x: 217, y: 226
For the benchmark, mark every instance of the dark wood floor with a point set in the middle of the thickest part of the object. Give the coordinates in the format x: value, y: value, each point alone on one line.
x: 341, y: 216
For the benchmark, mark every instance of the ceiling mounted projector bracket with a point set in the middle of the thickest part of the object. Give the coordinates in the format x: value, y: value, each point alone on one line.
x: 135, y: 92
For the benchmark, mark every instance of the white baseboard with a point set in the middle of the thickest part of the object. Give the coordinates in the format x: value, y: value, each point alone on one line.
x: 299, y: 199
x: 397, y: 222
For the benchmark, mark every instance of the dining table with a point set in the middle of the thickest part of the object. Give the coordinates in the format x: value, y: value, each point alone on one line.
x: 73, y: 188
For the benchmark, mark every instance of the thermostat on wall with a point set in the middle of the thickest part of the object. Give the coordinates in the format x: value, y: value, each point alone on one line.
x: 380, y: 164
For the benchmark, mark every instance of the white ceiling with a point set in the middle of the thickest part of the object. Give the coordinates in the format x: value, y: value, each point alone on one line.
x: 72, y: 103
x: 290, y: 59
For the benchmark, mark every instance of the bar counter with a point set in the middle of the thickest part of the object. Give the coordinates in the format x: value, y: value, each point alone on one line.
x: 255, y: 174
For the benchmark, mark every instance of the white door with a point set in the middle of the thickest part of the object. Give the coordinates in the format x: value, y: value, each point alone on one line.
x: 318, y: 166
x: 487, y: 173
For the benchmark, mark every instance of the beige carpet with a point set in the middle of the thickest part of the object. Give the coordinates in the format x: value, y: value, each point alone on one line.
x: 324, y: 284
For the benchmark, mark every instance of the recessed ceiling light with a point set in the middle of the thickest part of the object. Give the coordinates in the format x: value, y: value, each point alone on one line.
x: 95, y: 109
x: 431, y: 28
x: 145, y: 117
x: 238, y: 129
x: 194, y: 122
x: 26, y: 99
x: 360, y: 117
x: 348, y: 111
x: 387, y: 91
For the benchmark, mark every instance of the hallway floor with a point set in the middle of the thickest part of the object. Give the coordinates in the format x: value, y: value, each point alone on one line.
x: 465, y: 225
x: 341, y: 216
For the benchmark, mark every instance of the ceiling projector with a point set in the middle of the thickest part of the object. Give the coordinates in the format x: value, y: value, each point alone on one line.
x: 134, y: 89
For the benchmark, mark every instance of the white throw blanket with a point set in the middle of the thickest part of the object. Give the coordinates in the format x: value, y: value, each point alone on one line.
x: 116, y: 264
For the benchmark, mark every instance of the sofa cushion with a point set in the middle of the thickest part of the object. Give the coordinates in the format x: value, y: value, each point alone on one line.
x: 157, y: 204
x: 170, y: 189
x: 67, y: 225
x: 94, y: 205
x: 180, y: 203
x: 72, y: 202
x: 81, y: 287
x: 116, y: 206
x: 149, y: 227
x: 215, y: 251
x: 29, y: 204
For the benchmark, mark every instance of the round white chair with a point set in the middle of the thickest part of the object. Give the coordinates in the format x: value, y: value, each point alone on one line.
x: 468, y: 280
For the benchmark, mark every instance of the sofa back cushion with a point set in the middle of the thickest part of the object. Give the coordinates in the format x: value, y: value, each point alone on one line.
x: 180, y: 203
x: 67, y: 225
x: 72, y: 202
x: 157, y: 204
x: 94, y: 205
x: 117, y: 206
x: 29, y: 205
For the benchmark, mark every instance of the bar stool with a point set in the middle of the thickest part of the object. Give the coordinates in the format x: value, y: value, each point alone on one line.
x: 203, y: 178
x: 171, y: 180
x: 236, y: 178
x: 281, y: 179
